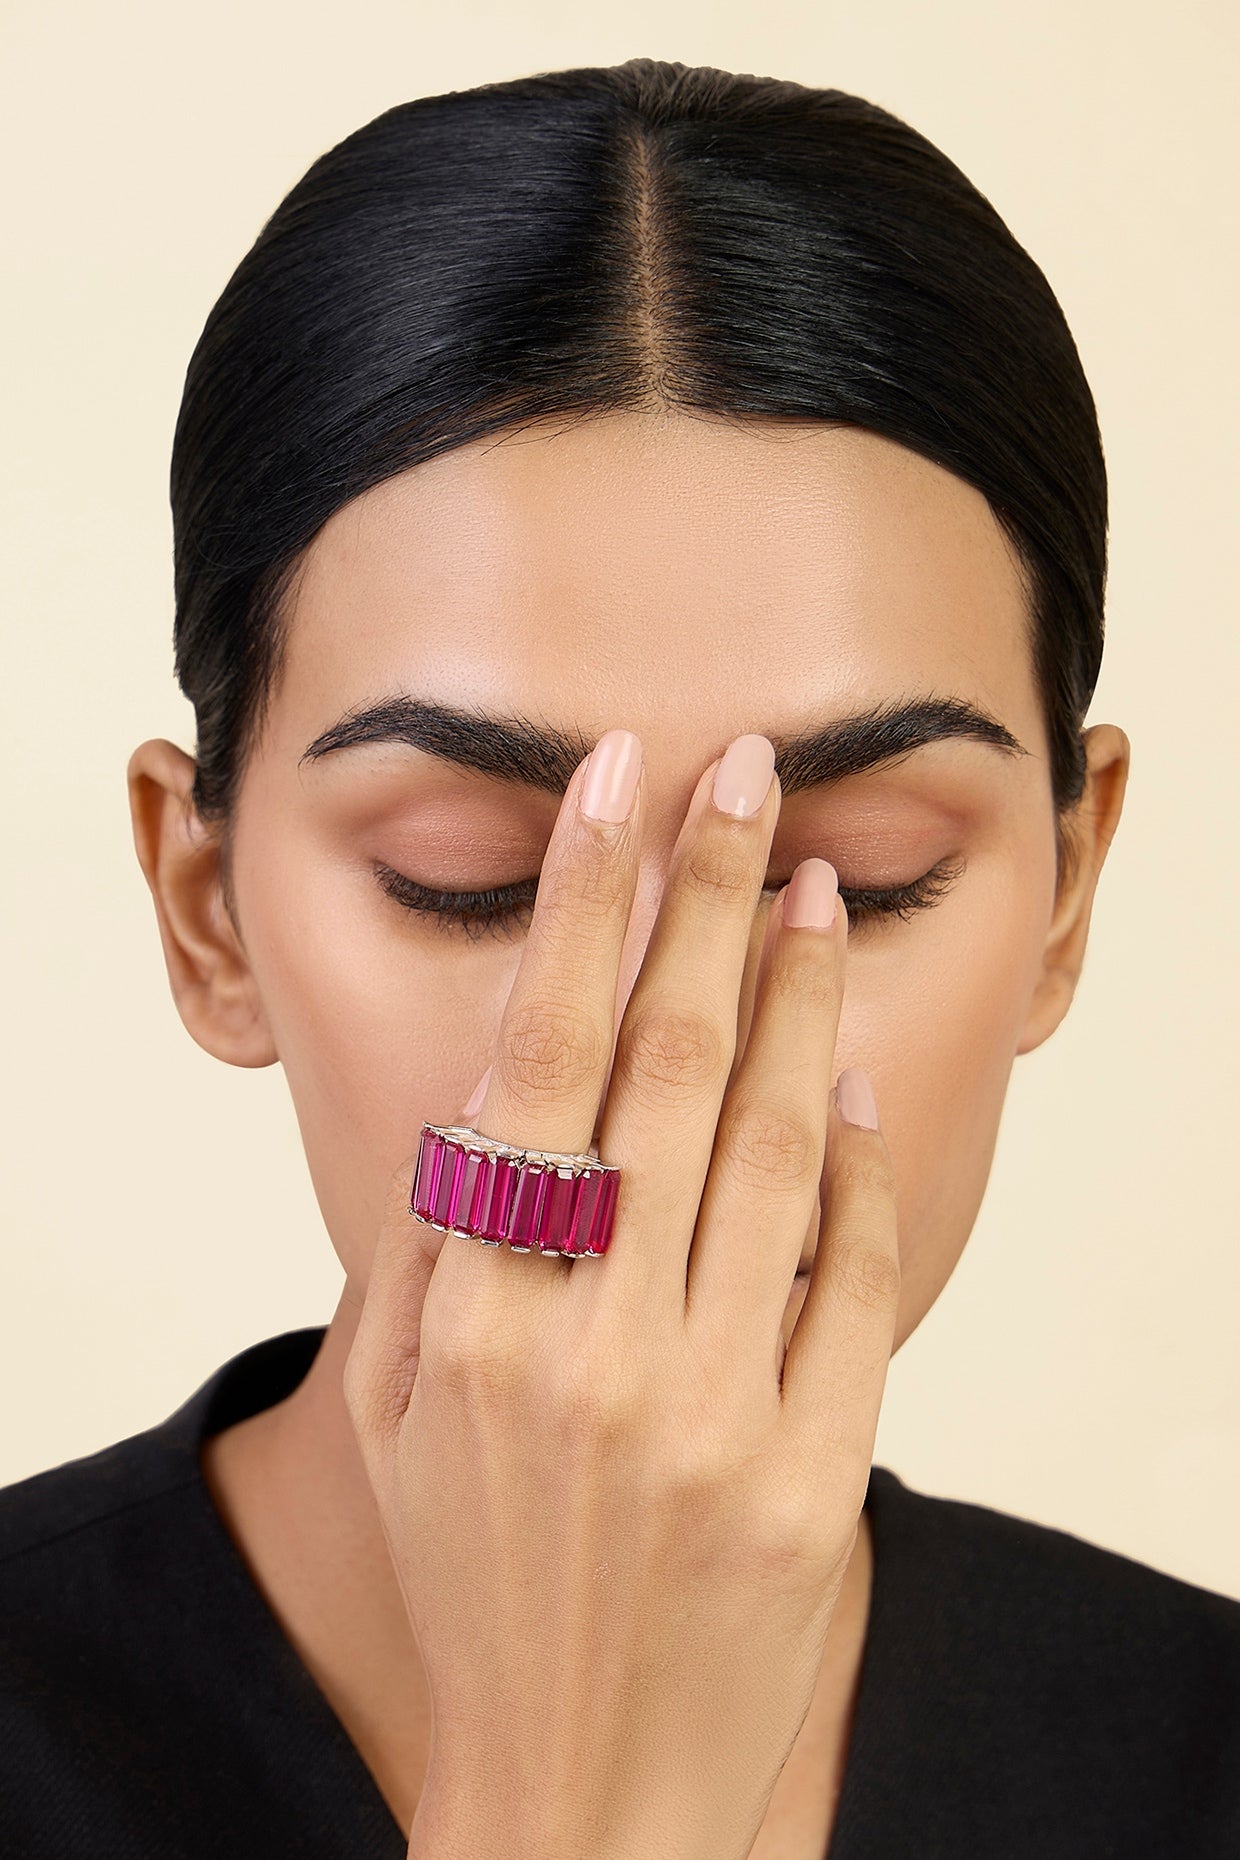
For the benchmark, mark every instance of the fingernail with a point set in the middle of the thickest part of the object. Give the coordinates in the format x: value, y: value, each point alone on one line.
x: 809, y: 902
x: 478, y: 1094
x: 611, y: 777
x: 743, y: 778
x: 855, y: 1096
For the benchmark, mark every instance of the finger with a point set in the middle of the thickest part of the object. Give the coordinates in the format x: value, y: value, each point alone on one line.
x: 761, y: 941
x: 836, y: 1364
x: 677, y: 1039
x: 382, y: 1365
x: 556, y: 1034
x: 771, y: 1143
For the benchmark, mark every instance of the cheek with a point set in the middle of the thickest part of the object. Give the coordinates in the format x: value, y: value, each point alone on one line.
x: 935, y: 1017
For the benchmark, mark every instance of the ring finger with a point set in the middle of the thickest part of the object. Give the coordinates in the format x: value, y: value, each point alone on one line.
x: 762, y: 1194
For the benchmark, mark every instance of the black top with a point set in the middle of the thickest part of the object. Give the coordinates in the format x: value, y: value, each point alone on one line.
x: 1024, y: 1695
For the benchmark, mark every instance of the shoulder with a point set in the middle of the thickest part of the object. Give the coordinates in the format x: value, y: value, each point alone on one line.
x: 133, y: 1488
x: 86, y: 1547
x: 1053, y: 1602
x: 992, y: 1567
x: 102, y: 1566
x: 75, y: 1500
x: 1066, y: 1671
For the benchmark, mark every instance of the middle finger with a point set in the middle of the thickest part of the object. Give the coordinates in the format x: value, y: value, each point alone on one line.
x: 677, y: 1040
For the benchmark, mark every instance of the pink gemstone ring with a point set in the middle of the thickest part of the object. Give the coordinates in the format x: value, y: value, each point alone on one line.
x: 468, y: 1184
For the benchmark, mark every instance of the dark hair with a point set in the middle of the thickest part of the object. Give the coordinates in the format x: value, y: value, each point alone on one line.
x: 591, y: 240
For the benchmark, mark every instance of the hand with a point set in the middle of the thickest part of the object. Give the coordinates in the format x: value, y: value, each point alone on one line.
x: 620, y: 1515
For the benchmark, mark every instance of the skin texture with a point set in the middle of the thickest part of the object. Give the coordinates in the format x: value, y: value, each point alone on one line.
x: 688, y: 579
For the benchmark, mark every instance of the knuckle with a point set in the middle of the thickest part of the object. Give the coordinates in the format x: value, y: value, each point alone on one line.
x: 765, y: 1146
x: 868, y: 1274
x: 551, y: 1048
x: 716, y: 867
x: 794, y: 1538
x: 804, y: 979
x: 672, y: 1048
x: 464, y: 1359
x: 864, y: 1172
x: 584, y: 894
x: 595, y: 1395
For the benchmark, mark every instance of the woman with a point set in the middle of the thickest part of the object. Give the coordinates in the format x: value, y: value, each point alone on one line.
x: 640, y: 546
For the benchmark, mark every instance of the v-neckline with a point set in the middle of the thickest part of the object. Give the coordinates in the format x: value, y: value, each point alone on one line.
x: 226, y: 1398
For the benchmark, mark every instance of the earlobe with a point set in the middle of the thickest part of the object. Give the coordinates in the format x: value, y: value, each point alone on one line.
x: 212, y: 983
x: 1090, y: 829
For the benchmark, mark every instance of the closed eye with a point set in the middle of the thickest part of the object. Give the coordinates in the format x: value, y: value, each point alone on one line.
x: 501, y: 912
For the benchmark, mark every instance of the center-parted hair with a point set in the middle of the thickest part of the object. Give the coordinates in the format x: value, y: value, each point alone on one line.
x: 644, y: 236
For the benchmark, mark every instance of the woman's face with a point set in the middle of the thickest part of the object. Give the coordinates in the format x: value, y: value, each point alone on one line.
x: 688, y: 579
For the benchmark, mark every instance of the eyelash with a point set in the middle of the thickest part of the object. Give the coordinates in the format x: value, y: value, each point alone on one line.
x: 491, y: 913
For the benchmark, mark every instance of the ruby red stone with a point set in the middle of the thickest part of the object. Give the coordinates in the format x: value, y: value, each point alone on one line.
x: 577, y: 1227
x: 600, y: 1227
x: 557, y: 1208
x: 415, y: 1184
x: 461, y: 1208
x: 448, y: 1186
x: 498, y: 1185
x: 458, y: 1186
x: 523, y: 1222
x: 427, y: 1175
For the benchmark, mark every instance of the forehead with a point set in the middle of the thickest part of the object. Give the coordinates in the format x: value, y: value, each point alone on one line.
x: 664, y: 570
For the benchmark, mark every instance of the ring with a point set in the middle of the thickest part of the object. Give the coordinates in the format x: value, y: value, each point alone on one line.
x: 476, y: 1186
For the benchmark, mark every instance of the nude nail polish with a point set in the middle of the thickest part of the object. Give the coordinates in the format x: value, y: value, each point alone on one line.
x: 743, y: 778
x: 611, y: 777
x: 809, y: 902
x: 855, y: 1097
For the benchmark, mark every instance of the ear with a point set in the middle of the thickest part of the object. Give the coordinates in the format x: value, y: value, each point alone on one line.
x: 212, y: 984
x: 1089, y: 829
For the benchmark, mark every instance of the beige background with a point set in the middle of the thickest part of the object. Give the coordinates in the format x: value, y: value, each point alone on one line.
x: 1081, y: 1366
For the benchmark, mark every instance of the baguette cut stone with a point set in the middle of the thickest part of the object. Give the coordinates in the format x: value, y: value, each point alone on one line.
x: 555, y: 1218
x: 500, y: 1186
x: 600, y: 1227
x: 448, y: 1191
x: 426, y: 1176
x: 585, y: 1201
x: 471, y: 1182
x: 523, y: 1222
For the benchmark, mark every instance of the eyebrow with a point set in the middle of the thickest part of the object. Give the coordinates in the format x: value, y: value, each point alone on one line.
x: 537, y: 755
